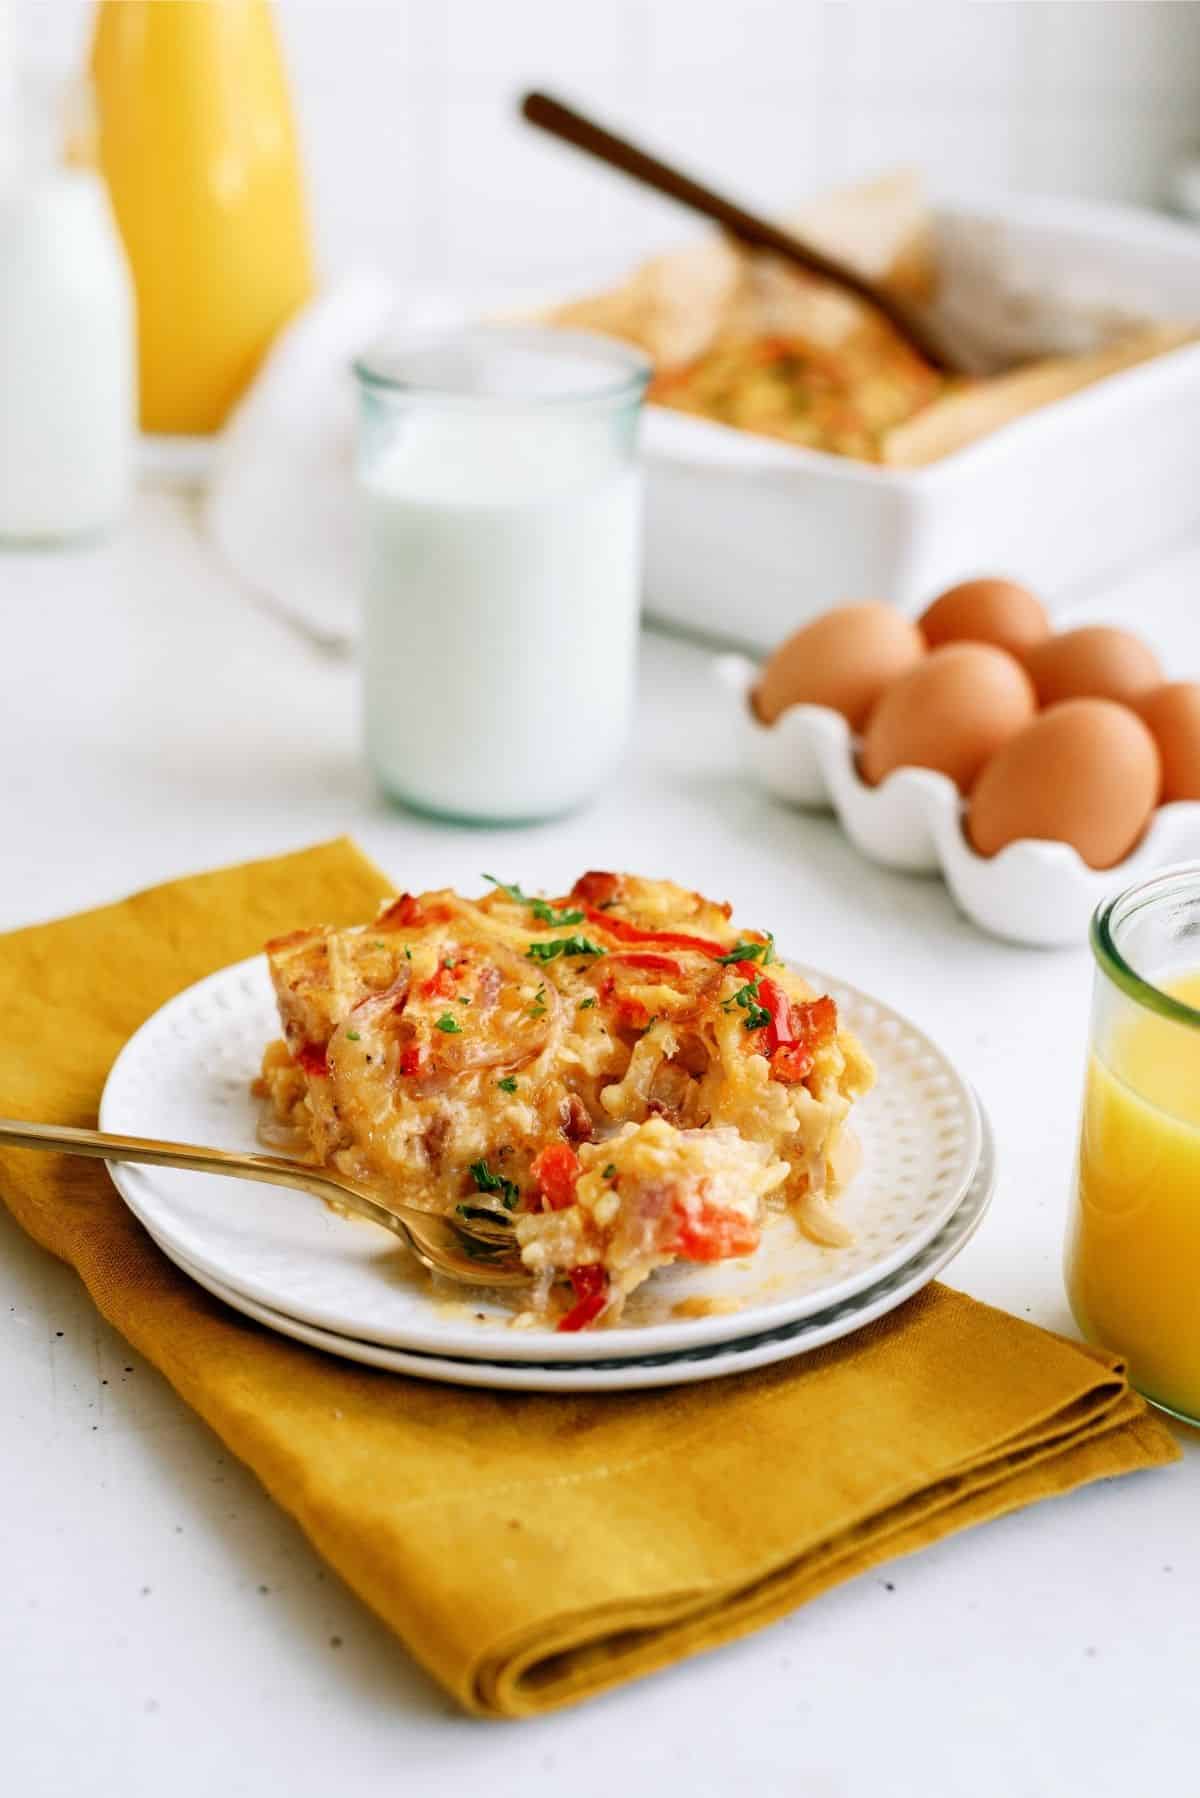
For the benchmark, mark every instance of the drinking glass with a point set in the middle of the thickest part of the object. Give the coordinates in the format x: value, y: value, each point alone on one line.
x: 502, y: 495
x: 1133, y: 1245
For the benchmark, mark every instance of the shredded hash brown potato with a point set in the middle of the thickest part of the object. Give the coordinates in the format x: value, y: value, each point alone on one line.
x: 844, y: 400
x: 618, y: 1073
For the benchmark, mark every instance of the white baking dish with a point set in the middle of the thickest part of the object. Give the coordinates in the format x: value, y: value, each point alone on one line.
x: 746, y: 537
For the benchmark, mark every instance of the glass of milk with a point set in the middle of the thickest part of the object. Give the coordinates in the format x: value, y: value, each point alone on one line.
x: 498, y: 467
x: 68, y: 353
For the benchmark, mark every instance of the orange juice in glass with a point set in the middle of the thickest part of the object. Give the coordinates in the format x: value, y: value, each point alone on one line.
x: 1133, y: 1246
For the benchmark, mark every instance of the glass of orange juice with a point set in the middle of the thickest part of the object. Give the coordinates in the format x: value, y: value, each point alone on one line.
x: 1133, y: 1246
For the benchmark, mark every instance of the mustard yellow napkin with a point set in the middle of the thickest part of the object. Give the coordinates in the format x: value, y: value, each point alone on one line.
x: 533, y: 1550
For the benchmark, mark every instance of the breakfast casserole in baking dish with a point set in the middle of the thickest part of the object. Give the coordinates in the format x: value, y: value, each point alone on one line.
x: 618, y: 1073
x: 843, y: 398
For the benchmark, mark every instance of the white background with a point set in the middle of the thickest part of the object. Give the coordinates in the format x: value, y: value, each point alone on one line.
x: 163, y: 1628
x: 418, y: 164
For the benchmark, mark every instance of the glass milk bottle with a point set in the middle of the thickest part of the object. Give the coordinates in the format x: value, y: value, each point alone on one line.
x: 68, y: 380
x: 501, y: 489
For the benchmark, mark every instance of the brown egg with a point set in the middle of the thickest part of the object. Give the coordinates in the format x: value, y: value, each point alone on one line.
x: 1086, y: 772
x: 951, y: 712
x: 1173, y: 714
x: 986, y: 611
x: 844, y: 659
x: 1095, y: 662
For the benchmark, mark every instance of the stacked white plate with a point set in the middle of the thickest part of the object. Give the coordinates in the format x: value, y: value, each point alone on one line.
x: 349, y: 1288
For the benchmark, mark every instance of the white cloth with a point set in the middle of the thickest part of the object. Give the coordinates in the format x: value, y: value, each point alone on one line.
x: 280, y: 504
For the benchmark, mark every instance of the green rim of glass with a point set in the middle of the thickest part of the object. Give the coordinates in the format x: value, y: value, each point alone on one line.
x: 1107, y: 917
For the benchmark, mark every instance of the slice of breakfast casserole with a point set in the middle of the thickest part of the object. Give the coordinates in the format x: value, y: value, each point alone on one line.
x: 618, y: 1072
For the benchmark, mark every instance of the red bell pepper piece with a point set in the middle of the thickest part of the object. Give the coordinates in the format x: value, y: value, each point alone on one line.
x: 713, y: 1234
x: 598, y: 887
x: 773, y: 999
x: 637, y: 933
x: 407, y: 913
x: 403, y: 913
x: 439, y: 984
x: 555, y: 1171
x: 410, y: 1059
x: 588, y: 1279
x: 582, y: 1314
x: 313, y: 1059
x: 591, y: 1294
x: 632, y: 958
x: 795, y: 1032
x: 791, y: 1063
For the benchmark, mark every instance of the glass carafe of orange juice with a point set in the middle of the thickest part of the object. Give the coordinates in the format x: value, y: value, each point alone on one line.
x: 197, y: 143
x: 1133, y: 1249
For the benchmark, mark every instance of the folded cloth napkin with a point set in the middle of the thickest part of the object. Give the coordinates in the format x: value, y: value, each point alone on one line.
x: 281, y: 505
x: 532, y: 1550
x: 280, y: 502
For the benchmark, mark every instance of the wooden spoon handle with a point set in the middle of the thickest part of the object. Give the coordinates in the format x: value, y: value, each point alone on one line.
x: 573, y: 128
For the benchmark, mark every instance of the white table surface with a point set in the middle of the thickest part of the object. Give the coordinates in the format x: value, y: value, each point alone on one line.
x: 165, y: 1628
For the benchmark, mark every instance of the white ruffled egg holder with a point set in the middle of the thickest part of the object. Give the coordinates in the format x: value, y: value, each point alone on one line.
x: 1034, y: 892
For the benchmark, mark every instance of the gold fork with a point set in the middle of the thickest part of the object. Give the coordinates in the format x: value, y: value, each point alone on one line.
x: 475, y: 1252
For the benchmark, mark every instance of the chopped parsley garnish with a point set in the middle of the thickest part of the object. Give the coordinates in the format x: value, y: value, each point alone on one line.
x: 586, y: 1004
x: 450, y: 1025
x: 512, y: 891
x: 763, y: 952
x: 538, y: 1008
x: 546, y: 914
x: 352, y: 1036
x: 746, y: 998
x: 562, y: 945
x: 462, y: 999
x: 486, y: 1181
x: 508, y: 1085
x: 379, y: 943
x: 609, y: 1171
x: 542, y: 910
x: 407, y: 953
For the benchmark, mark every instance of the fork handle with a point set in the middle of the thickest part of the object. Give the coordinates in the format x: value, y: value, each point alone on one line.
x: 198, y: 1158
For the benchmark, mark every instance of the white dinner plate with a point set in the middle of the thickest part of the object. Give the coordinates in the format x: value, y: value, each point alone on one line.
x: 680, y: 1367
x: 186, y: 1075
